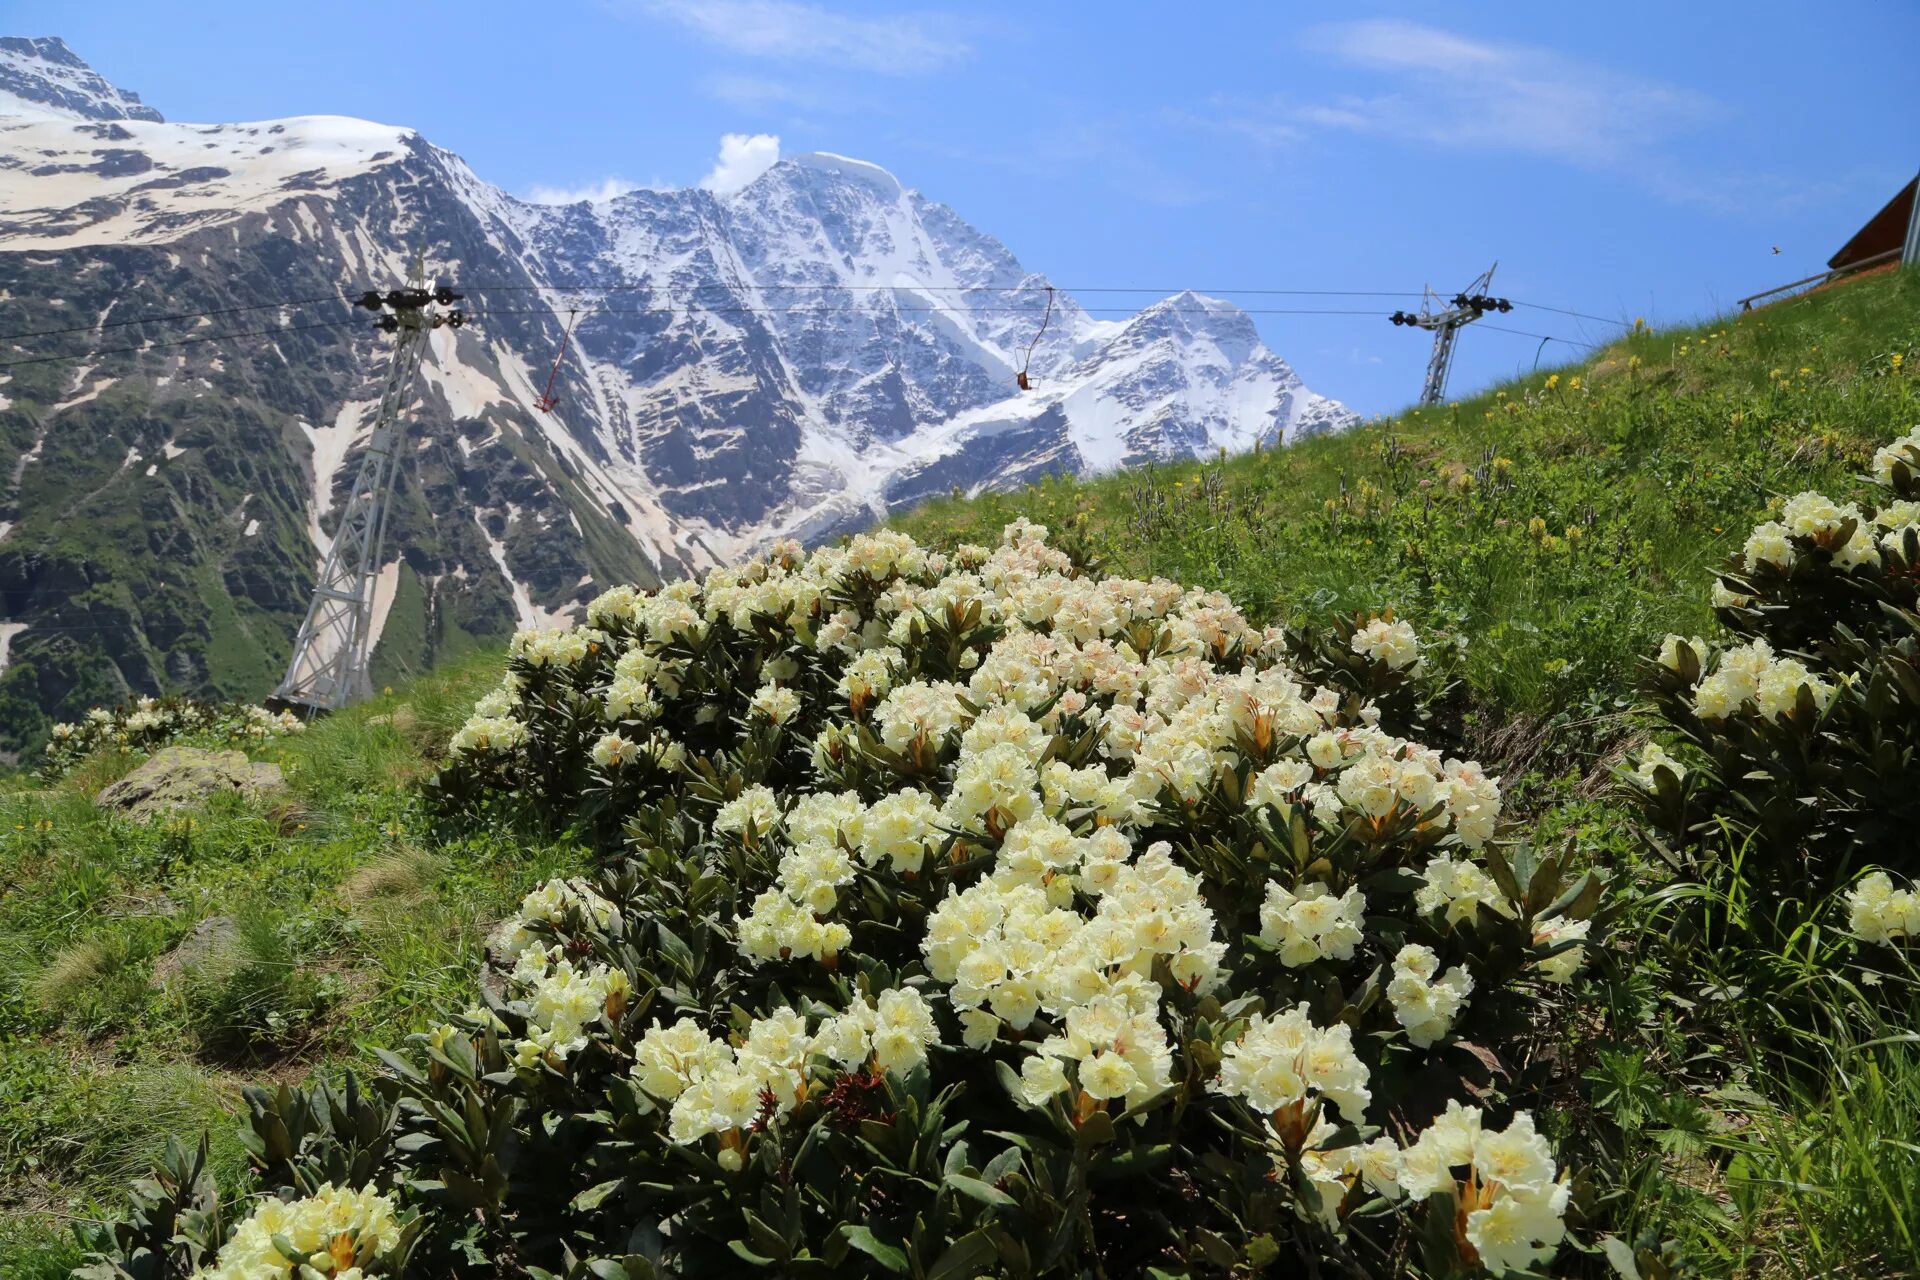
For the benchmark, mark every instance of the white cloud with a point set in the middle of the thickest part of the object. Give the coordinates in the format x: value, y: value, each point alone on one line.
x: 900, y: 43
x: 743, y: 157
x: 1451, y: 90
x: 605, y: 189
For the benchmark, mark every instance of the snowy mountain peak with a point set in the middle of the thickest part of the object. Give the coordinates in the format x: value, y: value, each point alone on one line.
x: 41, y: 76
x: 867, y: 174
x: 1188, y: 316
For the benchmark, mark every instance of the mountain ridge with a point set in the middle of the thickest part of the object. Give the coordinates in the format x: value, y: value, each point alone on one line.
x: 800, y: 357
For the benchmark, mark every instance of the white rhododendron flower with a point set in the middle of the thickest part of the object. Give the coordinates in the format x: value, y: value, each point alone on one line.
x: 563, y: 1002
x: 1769, y: 543
x: 1459, y: 889
x: 613, y: 750
x: 776, y: 703
x: 1335, y: 1171
x: 1562, y: 967
x: 755, y: 810
x: 349, y: 1229
x: 553, y: 903
x: 1898, y: 451
x: 1391, y: 643
x: 1285, y: 1059
x: 1721, y: 596
x: 1425, y: 1001
x: 1749, y: 676
x: 1505, y: 1179
x: 1672, y: 645
x: 488, y: 734
x: 1653, y: 759
x: 1314, y: 923
x: 1877, y: 912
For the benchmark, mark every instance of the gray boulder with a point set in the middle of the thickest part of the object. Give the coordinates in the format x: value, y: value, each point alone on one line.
x: 182, y: 777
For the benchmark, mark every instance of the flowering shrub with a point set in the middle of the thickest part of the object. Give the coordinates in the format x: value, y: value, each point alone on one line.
x: 1802, y: 735
x: 148, y: 724
x: 976, y: 915
x: 970, y: 912
x: 1878, y: 912
x: 336, y: 1231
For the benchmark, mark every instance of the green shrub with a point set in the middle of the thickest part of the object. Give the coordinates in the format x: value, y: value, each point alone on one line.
x: 148, y: 724
x: 1800, y: 746
x: 976, y: 914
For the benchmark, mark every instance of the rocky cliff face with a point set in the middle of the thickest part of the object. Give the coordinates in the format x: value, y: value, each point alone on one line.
x: 794, y: 359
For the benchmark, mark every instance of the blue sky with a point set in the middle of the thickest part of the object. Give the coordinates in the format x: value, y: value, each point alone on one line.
x: 1636, y: 159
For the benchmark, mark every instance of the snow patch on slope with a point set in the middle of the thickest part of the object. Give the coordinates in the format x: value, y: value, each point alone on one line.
x: 139, y: 182
x: 43, y: 77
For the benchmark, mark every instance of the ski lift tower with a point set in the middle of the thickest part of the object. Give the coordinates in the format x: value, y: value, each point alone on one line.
x: 1446, y: 319
x: 329, y: 665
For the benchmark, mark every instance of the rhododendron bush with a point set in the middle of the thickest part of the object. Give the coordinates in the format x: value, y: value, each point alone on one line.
x: 1801, y: 737
x: 146, y: 724
x: 972, y: 914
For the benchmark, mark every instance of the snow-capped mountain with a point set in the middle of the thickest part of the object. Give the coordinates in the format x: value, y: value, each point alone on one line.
x: 797, y: 358
x: 45, y: 78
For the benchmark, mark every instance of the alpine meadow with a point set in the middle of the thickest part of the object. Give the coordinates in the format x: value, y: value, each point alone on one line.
x: 851, y: 759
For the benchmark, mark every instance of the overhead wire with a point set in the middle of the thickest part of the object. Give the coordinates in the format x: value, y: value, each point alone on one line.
x: 690, y: 308
x: 1583, y: 315
x: 179, y: 342
x: 695, y: 309
x: 624, y: 286
x: 181, y: 315
x: 1543, y: 337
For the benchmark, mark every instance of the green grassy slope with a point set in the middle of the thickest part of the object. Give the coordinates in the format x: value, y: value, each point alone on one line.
x: 350, y: 929
x: 1557, y: 525
x: 1553, y: 528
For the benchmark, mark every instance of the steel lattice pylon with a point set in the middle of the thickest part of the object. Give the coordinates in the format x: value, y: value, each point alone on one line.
x: 1446, y: 322
x: 329, y: 666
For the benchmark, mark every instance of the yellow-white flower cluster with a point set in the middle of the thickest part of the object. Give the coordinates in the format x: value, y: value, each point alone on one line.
x: 488, y: 734
x: 1672, y: 647
x: 754, y: 813
x: 563, y: 1001
x: 1504, y: 1181
x: 149, y: 722
x: 1115, y: 1045
x: 1015, y: 943
x: 1037, y: 731
x: 1551, y: 932
x: 1313, y: 923
x: 565, y: 647
x: 1654, y: 759
x: 1285, y: 1060
x: 774, y: 703
x: 1335, y: 1171
x: 1878, y: 912
x: 1750, y: 677
x: 1900, y: 450
x: 337, y: 1232
x: 719, y: 1088
x: 1816, y: 518
x: 557, y: 903
x: 1458, y: 890
x: 827, y: 831
x: 1426, y: 1001
x: 1391, y: 642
